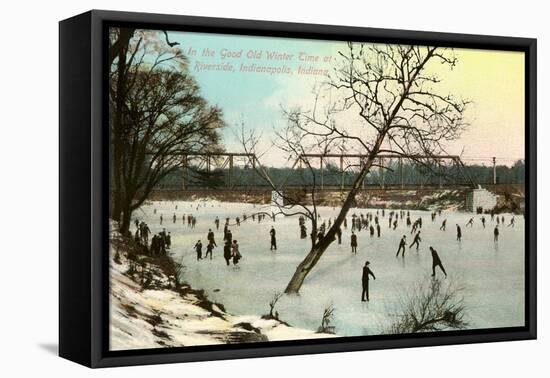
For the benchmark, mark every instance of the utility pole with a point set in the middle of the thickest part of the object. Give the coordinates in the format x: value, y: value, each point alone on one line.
x: 184, y: 172
x: 361, y: 163
x: 381, y: 172
x: 230, y: 175
x: 342, y: 172
x: 321, y: 165
x: 494, y: 170
x: 440, y: 173
x: 401, y: 173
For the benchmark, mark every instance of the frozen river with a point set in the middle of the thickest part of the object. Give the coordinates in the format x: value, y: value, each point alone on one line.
x: 493, y: 274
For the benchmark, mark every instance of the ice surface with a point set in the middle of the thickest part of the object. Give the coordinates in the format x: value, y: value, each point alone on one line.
x: 493, y: 273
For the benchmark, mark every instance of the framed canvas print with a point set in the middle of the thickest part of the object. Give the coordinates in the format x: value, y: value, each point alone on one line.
x: 234, y: 188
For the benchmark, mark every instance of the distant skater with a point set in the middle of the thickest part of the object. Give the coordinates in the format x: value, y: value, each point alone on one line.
x: 235, y: 253
x: 227, y: 252
x: 458, y: 233
x: 353, y: 242
x: 365, y: 281
x: 377, y: 230
x: 436, y: 262
x: 483, y: 221
x: 402, y: 245
x: 511, y: 222
x: 443, y: 225
x: 211, y: 238
x: 209, y: 249
x: 416, y: 241
x: 272, y: 233
x: 496, y: 232
x: 303, y: 231
x: 198, y: 249
x: 470, y: 223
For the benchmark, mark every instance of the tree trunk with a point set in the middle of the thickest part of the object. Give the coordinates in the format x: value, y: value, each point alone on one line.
x: 119, y: 50
x: 321, y: 246
x: 125, y: 218
x: 318, y: 249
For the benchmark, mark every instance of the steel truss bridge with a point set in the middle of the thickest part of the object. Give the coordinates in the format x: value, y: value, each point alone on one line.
x: 447, y: 169
x: 332, y: 171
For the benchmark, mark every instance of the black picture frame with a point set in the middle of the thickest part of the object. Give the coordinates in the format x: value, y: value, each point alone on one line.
x: 83, y: 196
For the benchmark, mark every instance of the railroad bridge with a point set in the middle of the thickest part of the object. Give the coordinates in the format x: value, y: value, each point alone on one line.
x: 324, y: 171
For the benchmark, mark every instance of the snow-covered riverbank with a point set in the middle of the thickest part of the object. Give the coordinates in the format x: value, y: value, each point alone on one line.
x: 164, y: 315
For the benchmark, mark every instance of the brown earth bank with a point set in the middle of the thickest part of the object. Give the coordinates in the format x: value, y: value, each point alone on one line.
x: 510, y: 197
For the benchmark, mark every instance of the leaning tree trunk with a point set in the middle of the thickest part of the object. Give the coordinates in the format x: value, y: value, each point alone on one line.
x: 321, y: 246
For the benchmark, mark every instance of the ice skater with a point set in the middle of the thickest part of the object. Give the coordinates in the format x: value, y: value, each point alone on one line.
x: 353, y: 243
x: 235, y: 253
x: 365, y: 281
x: 470, y: 223
x: 211, y: 238
x: 511, y: 222
x: 303, y: 231
x: 458, y: 233
x: 416, y: 241
x: 495, y: 233
x: 227, y: 252
x: 402, y: 245
x: 443, y: 225
x: 209, y: 249
x: 272, y: 233
x: 436, y: 262
x: 198, y: 249
x: 228, y: 235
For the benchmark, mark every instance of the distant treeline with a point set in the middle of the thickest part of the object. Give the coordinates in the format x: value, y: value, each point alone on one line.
x: 412, y: 174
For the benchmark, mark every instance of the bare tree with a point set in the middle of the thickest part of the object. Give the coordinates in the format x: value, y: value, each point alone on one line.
x: 326, y: 320
x: 290, y: 142
x: 122, y: 52
x: 272, y: 303
x: 429, y: 306
x: 398, y: 108
x: 157, y: 115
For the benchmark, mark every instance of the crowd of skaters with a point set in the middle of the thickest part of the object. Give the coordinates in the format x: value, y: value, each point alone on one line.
x: 160, y: 242
x: 369, y: 222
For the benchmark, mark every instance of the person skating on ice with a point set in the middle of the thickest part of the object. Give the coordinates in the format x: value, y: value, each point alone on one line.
x: 365, y: 281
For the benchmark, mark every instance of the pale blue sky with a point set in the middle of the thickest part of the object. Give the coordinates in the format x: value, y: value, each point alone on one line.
x: 493, y: 80
x: 253, y: 97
